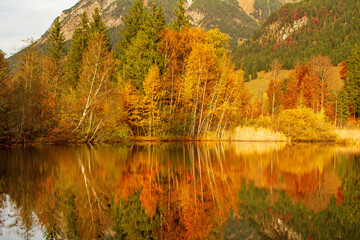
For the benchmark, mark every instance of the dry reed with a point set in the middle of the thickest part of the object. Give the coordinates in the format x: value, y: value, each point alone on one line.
x: 348, y: 135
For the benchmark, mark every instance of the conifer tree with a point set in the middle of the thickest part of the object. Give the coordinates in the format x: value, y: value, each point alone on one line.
x: 138, y: 60
x: 139, y: 44
x: 56, y: 52
x: 352, y: 81
x: 341, y: 108
x: 97, y: 26
x: 136, y: 20
x: 181, y: 19
x: 157, y: 25
x: 79, y: 42
x: 55, y: 44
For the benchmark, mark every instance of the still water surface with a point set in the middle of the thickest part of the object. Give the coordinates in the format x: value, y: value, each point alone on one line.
x: 181, y: 191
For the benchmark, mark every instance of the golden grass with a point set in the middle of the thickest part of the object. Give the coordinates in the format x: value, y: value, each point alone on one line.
x: 258, y: 134
x: 348, y: 135
x: 246, y: 134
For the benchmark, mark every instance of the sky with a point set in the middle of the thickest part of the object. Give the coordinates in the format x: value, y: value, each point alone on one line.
x: 24, y: 19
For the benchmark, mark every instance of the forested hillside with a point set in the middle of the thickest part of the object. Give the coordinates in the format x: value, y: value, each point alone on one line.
x: 300, y: 31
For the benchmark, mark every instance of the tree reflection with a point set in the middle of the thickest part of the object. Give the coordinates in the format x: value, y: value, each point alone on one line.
x: 183, y: 191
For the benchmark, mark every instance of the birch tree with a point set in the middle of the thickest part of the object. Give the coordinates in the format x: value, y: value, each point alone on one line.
x: 97, y: 71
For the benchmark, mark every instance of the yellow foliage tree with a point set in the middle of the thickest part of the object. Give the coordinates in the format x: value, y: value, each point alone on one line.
x: 153, y: 95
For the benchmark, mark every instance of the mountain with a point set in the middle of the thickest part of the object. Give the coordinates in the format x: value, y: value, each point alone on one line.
x: 299, y: 31
x: 237, y: 18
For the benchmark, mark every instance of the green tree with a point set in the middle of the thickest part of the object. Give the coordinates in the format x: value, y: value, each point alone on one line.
x: 55, y: 44
x: 56, y: 51
x: 181, y: 19
x: 139, y: 48
x: 352, y: 81
x: 79, y: 42
x: 97, y: 26
x: 157, y: 25
x: 131, y: 211
x: 136, y: 20
x: 341, y: 108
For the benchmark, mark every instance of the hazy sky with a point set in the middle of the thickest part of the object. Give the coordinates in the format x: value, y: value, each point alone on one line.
x: 23, y: 19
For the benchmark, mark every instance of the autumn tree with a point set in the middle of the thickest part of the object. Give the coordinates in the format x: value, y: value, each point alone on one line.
x: 341, y: 100
x: 199, y: 75
x: 153, y: 95
x: 320, y: 67
x: 4, y: 94
x: 307, y: 86
x: 95, y: 81
x: 292, y: 95
x: 274, y: 91
x: 27, y: 98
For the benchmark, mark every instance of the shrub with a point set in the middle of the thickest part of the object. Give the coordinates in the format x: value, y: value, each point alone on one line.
x: 302, y: 124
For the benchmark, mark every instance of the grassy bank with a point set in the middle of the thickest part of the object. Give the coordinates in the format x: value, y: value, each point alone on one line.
x: 241, y: 133
x: 246, y: 134
x: 348, y: 135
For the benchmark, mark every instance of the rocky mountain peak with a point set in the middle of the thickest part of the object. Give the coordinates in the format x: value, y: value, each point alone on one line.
x: 237, y: 18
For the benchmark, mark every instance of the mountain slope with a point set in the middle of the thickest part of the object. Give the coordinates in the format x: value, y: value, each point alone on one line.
x: 227, y: 15
x: 302, y: 30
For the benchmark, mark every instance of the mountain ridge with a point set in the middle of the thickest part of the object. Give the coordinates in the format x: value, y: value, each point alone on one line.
x: 237, y: 23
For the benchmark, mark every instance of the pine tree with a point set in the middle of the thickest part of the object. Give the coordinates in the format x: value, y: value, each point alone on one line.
x: 139, y: 48
x: 157, y: 25
x: 138, y: 59
x: 352, y: 81
x: 341, y: 108
x: 55, y: 44
x: 56, y: 51
x: 136, y: 20
x: 181, y: 19
x: 79, y: 42
x: 97, y: 26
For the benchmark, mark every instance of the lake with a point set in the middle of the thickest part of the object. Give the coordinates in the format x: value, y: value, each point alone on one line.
x: 208, y: 190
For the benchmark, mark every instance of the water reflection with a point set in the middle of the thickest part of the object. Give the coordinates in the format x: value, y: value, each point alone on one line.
x: 181, y: 191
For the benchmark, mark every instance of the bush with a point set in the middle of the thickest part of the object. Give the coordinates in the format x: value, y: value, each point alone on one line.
x: 264, y: 121
x: 302, y: 124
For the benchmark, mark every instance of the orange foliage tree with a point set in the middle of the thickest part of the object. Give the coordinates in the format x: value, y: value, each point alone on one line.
x: 308, y: 86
